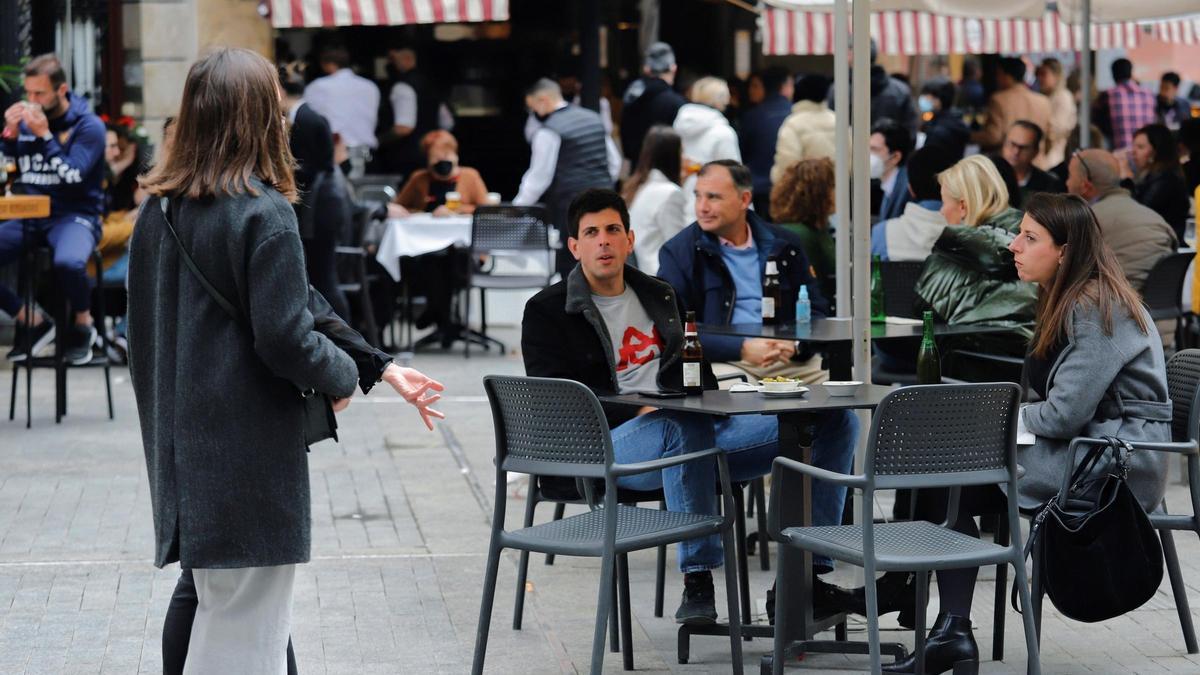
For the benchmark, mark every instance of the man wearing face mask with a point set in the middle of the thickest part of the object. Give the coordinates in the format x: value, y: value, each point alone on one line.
x: 890, y: 146
x: 944, y: 125
x: 426, y: 189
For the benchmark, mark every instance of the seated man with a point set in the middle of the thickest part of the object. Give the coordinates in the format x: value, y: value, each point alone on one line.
x: 1022, y: 145
x: 1137, y: 234
x: 715, y: 266
x: 616, y: 329
x: 59, y: 146
x: 912, y: 235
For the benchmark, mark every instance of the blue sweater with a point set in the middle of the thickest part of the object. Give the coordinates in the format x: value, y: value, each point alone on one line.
x: 69, y: 167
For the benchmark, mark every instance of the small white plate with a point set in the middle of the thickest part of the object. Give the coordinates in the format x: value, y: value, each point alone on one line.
x: 798, y: 391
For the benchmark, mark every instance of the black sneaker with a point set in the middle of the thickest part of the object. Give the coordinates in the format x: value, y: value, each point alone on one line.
x: 699, y: 606
x: 41, y: 336
x: 79, y: 344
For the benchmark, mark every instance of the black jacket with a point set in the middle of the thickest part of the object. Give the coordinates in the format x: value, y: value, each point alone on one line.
x: 648, y: 101
x: 1166, y: 192
x: 890, y: 98
x: 324, y: 200
x: 948, y: 130
x: 563, y: 335
x: 1041, y: 181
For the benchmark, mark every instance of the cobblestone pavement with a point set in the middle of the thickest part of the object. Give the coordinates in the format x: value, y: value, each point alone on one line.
x: 400, y: 524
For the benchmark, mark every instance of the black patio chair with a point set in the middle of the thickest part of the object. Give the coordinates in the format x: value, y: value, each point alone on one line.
x: 1163, y: 290
x: 931, y: 436
x: 552, y: 427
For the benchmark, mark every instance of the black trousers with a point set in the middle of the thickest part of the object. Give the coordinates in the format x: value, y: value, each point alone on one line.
x: 177, y: 629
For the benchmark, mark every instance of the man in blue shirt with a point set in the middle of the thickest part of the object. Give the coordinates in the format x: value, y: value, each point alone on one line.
x: 760, y: 127
x: 58, y: 144
x: 715, y: 266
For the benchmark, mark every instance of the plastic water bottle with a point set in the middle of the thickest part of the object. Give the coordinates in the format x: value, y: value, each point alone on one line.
x: 803, y: 308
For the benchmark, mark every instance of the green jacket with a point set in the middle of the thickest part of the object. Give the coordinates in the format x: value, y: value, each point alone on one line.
x: 970, y: 277
x: 820, y: 249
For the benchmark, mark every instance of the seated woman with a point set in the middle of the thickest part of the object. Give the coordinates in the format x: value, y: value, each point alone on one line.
x: 801, y: 201
x: 655, y: 199
x: 969, y: 277
x: 426, y: 189
x: 1099, y: 369
x: 1151, y: 171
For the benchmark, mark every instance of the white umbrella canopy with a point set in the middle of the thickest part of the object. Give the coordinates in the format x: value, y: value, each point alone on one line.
x: 978, y: 9
x: 1108, y: 11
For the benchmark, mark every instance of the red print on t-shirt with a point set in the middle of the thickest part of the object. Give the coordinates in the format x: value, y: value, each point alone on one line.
x: 637, y: 348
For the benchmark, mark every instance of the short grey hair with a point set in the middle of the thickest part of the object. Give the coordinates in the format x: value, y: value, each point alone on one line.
x: 545, y: 87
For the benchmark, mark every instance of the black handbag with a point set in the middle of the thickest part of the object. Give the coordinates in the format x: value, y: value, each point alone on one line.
x: 319, y: 421
x: 1099, y: 556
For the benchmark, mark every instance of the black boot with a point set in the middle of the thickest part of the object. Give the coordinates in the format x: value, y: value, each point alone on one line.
x: 895, y: 592
x: 950, y: 646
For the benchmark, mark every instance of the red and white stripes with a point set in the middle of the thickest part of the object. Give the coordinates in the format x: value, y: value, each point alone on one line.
x: 910, y: 33
x: 324, y: 13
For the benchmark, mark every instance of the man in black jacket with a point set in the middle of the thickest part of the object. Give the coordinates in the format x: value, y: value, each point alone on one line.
x: 1021, y: 146
x: 650, y: 100
x: 616, y: 329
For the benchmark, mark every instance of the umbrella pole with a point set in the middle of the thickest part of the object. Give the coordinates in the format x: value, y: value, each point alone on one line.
x: 861, y: 209
x: 841, y: 166
x: 1085, y: 84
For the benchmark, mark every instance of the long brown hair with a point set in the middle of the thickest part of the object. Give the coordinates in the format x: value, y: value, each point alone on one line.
x: 803, y: 193
x: 1089, y: 271
x: 662, y: 149
x: 230, y: 127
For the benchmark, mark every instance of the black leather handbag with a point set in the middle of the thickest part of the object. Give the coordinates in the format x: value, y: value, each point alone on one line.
x: 319, y: 421
x: 1099, y: 555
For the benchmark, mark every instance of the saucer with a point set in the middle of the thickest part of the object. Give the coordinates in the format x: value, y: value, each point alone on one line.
x: 793, y: 393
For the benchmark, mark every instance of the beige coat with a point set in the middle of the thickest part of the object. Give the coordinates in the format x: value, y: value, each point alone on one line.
x: 807, y: 133
x: 1015, y: 103
x: 1063, y: 117
x: 1137, y: 235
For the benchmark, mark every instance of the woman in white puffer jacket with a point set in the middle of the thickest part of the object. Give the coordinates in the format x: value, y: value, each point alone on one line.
x: 706, y: 134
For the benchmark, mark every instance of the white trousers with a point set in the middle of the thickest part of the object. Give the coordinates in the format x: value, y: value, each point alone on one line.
x: 243, y: 620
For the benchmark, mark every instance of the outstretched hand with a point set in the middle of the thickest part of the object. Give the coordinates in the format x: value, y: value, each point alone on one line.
x: 416, y: 388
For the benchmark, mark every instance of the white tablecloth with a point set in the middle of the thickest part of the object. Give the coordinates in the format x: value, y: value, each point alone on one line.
x: 418, y: 234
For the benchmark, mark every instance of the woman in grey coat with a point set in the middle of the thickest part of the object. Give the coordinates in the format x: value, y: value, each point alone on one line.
x: 1097, y: 366
x: 218, y: 399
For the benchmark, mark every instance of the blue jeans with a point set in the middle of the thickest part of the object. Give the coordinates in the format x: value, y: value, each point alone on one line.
x: 751, y: 443
x: 73, y: 239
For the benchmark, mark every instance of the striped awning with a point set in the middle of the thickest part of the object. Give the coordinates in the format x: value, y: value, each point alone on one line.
x: 328, y: 13
x: 790, y: 32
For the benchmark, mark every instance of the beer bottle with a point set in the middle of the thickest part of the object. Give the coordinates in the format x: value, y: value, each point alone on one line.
x: 878, y: 313
x: 929, y: 366
x: 693, y: 355
x: 770, y: 294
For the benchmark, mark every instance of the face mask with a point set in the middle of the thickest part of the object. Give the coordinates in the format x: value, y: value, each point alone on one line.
x: 925, y: 104
x: 876, y: 166
x: 443, y: 168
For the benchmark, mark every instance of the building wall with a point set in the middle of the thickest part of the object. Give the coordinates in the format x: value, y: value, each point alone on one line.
x: 164, y: 37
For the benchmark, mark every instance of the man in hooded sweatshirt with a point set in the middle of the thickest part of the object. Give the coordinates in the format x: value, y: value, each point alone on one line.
x: 58, y: 144
x: 890, y: 97
x: 650, y: 100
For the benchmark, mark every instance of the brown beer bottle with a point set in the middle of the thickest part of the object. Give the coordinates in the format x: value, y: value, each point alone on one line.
x: 693, y: 354
x: 770, y: 294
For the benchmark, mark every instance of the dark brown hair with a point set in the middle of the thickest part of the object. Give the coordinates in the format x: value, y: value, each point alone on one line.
x: 662, y: 149
x: 1089, y: 271
x: 48, y: 65
x: 230, y: 128
x: 802, y: 194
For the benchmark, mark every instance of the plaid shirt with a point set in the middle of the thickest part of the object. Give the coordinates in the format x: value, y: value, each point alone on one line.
x: 1130, y: 108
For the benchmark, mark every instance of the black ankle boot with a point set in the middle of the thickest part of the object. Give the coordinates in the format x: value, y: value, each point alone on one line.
x: 895, y: 592
x: 949, y: 647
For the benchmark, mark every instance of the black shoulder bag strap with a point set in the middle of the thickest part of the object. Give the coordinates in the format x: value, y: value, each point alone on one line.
x: 191, y: 265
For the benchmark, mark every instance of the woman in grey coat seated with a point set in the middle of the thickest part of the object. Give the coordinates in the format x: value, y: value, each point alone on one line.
x: 1097, y: 366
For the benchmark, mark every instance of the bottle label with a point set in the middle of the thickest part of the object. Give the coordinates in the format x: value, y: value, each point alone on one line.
x: 768, y: 308
x: 691, y: 374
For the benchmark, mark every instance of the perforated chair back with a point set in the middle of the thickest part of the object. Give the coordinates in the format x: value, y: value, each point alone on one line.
x: 900, y: 287
x: 1183, y: 386
x: 504, y: 228
x: 548, y: 427
x: 377, y: 186
x: 939, y: 434
x: 1163, y: 289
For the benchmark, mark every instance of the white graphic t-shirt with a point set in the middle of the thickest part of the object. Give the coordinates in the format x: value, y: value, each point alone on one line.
x: 637, y: 346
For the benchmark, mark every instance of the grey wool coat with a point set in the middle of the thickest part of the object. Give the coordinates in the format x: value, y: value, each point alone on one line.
x: 219, y: 404
x: 1100, y: 385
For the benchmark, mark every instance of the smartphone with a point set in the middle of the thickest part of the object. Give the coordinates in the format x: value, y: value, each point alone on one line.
x: 663, y: 394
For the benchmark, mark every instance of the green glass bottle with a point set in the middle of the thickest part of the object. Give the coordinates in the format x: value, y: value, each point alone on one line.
x: 878, y: 314
x: 929, y: 364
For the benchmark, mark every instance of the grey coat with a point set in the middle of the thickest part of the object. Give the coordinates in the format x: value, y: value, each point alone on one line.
x: 1100, y: 385
x: 220, y: 409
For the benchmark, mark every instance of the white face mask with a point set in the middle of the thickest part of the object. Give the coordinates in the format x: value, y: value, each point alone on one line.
x: 877, y: 166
